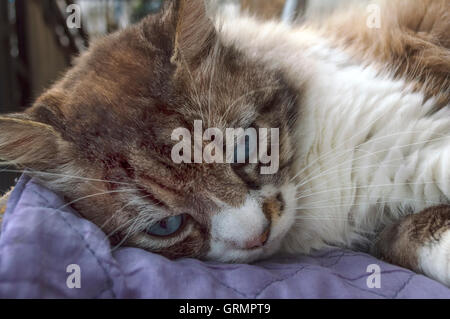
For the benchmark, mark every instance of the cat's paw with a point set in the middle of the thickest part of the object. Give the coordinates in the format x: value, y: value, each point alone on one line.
x: 434, y: 259
x: 420, y: 242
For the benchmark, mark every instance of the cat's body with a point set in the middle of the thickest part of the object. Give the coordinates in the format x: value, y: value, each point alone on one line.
x: 364, y: 121
x: 373, y: 135
x: 372, y: 147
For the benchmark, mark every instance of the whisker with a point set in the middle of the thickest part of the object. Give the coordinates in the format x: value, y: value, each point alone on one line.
x: 374, y: 200
x: 360, y: 204
x: 55, y: 210
x: 331, y: 152
x: 98, y: 194
x: 137, y: 225
x: 362, y: 187
x: 62, y: 175
x: 356, y: 228
x: 128, y: 234
x: 355, y: 148
x: 350, y: 169
x: 113, y: 232
x: 121, y: 209
x: 322, y: 218
x: 114, y: 215
x: 374, y: 153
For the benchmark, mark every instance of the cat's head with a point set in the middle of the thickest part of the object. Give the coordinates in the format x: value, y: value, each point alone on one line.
x: 102, y: 137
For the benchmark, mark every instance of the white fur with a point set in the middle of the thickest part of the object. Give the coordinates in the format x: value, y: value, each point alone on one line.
x: 233, y: 227
x: 239, y: 225
x: 369, y: 148
x: 434, y: 259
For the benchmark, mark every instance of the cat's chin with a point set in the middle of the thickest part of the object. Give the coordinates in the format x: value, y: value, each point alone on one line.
x: 219, y: 252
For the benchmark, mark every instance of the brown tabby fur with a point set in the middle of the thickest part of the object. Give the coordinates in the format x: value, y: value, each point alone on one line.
x: 110, y: 118
x: 264, y: 9
x: 414, y: 37
x: 400, y: 243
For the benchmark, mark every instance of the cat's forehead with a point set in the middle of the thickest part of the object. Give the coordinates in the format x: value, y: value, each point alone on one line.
x: 227, y: 85
x: 129, y: 79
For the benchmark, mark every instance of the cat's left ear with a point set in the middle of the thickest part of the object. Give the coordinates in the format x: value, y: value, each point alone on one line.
x: 25, y: 142
x: 195, y: 31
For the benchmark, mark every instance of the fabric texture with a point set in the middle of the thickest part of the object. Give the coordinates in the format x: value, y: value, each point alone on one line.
x: 41, y: 236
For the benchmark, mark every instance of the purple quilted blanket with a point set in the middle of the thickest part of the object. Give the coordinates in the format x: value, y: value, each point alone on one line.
x: 48, y: 251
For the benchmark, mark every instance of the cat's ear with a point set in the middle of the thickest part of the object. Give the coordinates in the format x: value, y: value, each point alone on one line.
x: 195, y: 32
x: 27, y: 143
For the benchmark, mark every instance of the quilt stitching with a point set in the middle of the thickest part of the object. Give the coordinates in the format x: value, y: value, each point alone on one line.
x: 326, y: 260
x: 404, y: 286
x: 279, y: 280
x: 331, y: 273
x: 270, y: 282
x: 110, y: 282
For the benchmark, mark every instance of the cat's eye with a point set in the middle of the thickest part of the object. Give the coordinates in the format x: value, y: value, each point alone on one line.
x: 168, y: 226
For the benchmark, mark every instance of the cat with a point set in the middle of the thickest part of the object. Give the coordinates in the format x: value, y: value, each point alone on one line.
x: 363, y: 112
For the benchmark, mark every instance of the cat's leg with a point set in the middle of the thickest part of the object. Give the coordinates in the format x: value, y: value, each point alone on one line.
x: 420, y: 242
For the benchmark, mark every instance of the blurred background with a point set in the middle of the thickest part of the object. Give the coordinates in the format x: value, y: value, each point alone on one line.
x: 37, y: 44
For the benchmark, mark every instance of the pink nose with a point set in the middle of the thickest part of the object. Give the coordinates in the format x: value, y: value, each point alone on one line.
x: 258, y: 241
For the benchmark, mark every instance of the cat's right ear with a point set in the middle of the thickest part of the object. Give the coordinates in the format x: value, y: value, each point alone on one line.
x: 195, y: 33
x: 26, y: 143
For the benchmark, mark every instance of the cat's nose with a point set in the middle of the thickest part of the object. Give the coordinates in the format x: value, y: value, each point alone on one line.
x: 258, y: 241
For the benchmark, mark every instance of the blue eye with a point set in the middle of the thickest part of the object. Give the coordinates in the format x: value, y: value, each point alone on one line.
x: 239, y: 149
x: 167, y: 226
